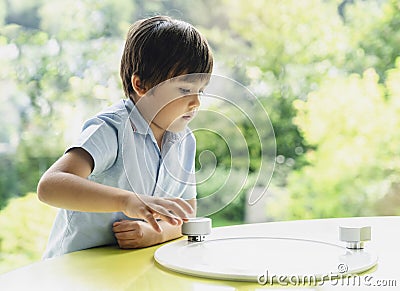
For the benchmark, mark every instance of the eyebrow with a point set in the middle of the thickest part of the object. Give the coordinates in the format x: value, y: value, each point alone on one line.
x: 187, y: 82
x: 195, y: 77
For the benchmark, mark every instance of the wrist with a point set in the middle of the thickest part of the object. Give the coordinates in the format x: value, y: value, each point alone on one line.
x: 159, y: 237
x: 169, y: 232
x: 122, y: 200
x: 152, y: 236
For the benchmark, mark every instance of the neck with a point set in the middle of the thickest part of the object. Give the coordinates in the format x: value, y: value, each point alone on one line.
x: 158, y: 133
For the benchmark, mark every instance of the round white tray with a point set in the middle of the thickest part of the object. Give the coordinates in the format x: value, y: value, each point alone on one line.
x: 264, y: 259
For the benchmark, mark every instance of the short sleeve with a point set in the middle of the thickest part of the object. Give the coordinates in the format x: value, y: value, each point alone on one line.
x: 99, y: 137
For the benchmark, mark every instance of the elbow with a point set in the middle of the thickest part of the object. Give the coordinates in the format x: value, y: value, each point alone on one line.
x: 43, y: 189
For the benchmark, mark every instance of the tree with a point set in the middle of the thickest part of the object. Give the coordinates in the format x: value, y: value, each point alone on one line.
x: 352, y: 122
x: 58, y: 71
x: 286, y: 49
x: 374, y: 27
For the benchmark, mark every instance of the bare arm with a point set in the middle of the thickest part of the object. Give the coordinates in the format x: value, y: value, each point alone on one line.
x: 138, y: 234
x: 65, y: 185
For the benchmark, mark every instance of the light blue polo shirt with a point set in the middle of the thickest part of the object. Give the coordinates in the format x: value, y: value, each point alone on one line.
x: 126, y: 155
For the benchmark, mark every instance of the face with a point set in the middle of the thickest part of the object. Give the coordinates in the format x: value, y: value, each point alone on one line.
x: 172, y: 104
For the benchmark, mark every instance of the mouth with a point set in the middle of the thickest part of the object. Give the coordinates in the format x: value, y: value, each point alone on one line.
x: 188, y: 116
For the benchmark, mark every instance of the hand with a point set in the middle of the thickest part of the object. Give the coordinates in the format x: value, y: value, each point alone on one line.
x: 172, y: 210
x: 133, y: 234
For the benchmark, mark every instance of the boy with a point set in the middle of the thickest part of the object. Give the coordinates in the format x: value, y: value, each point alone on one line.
x: 129, y: 178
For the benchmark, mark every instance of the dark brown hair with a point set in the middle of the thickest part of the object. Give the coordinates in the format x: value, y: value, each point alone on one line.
x: 159, y: 48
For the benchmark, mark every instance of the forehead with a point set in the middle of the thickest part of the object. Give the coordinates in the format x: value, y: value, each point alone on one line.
x: 191, y: 80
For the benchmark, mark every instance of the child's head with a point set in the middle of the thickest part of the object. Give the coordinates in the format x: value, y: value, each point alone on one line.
x: 160, y: 48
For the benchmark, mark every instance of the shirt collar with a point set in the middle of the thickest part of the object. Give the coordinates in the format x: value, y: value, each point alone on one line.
x: 140, y: 125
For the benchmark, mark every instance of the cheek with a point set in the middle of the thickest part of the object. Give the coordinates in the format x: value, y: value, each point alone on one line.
x: 176, y: 107
x: 168, y: 114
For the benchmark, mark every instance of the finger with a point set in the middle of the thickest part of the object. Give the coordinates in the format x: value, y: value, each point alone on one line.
x: 129, y: 235
x: 116, y: 223
x: 119, y: 222
x: 173, y: 220
x: 184, y: 204
x: 148, y: 216
x: 166, y: 215
x: 177, y: 211
x: 169, y: 204
x: 125, y: 226
x: 176, y: 221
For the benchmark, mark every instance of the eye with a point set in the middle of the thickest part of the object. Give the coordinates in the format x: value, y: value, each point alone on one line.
x: 184, y: 91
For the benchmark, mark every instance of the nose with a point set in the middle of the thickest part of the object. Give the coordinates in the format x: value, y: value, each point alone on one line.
x: 194, y: 101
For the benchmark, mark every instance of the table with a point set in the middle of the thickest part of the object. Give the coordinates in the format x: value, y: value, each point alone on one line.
x: 110, y: 268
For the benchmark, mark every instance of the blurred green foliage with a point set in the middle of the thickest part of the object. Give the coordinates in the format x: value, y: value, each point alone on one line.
x: 301, y: 60
x: 325, y: 70
x: 25, y: 224
x: 355, y: 168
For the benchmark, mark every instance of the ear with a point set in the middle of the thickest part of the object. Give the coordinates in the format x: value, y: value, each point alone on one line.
x: 138, y: 86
